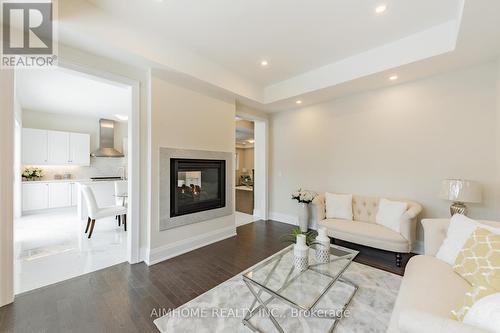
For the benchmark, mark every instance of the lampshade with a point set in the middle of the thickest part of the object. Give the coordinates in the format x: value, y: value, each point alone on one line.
x: 461, y: 190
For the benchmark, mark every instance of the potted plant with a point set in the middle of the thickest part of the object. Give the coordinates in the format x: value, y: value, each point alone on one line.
x: 302, y: 241
x: 32, y: 173
x: 304, y: 198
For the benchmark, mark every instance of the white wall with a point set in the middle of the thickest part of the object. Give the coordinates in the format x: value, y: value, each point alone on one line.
x: 6, y: 185
x: 498, y: 126
x: 186, y: 119
x: 399, y: 141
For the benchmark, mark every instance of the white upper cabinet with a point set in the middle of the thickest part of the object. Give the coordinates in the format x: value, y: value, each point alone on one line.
x: 35, y: 146
x: 42, y: 147
x: 58, y: 148
x: 79, y: 149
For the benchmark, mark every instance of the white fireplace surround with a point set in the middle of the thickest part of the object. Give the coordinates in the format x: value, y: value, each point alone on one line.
x: 167, y: 222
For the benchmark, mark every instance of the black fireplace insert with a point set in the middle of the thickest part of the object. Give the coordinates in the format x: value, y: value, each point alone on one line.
x: 196, y: 185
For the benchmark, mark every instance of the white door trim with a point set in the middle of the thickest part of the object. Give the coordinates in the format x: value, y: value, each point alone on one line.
x: 133, y: 217
x: 261, y: 149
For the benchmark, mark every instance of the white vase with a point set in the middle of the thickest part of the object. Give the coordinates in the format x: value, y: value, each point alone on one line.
x: 301, y: 254
x: 322, y: 247
x: 303, y: 214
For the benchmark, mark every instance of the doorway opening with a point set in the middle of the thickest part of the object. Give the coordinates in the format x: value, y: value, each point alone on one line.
x: 251, y: 167
x: 244, y: 172
x: 72, y: 139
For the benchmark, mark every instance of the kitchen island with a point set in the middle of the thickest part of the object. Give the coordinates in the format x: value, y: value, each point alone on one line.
x: 244, y: 199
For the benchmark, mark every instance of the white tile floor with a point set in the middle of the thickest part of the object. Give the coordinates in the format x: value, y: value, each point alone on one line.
x: 242, y: 218
x: 52, y: 247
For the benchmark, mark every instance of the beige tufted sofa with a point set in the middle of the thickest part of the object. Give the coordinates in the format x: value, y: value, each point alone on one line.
x: 363, y: 229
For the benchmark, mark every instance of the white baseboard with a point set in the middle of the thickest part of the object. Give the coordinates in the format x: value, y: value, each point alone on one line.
x: 285, y: 218
x: 169, y: 251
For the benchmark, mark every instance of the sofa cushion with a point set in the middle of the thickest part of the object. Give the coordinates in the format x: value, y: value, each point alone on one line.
x: 419, y: 322
x: 426, y: 279
x: 338, y: 206
x: 390, y: 213
x: 366, y: 233
x: 479, y: 263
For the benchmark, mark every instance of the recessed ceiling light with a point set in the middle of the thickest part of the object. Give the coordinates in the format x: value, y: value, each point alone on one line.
x: 298, y: 102
x: 264, y: 63
x: 380, y: 9
x: 393, y: 78
x: 121, y: 117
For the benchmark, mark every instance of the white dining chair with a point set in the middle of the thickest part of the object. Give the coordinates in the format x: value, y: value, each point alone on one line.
x: 95, y: 212
x: 121, y: 188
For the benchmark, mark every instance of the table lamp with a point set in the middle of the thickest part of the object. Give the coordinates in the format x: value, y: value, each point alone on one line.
x: 460, y: 191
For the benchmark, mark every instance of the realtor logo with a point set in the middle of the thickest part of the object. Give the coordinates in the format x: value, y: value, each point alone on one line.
x: 28, y: 34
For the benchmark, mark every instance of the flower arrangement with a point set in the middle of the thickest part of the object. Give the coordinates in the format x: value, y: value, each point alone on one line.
x: 32, y: 173
x: 304, y: 196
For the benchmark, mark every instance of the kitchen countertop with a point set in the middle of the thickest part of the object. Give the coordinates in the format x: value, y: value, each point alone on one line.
x: 80, y: 181
x: 92, y: 182
x: 55, y: 181
x: 244, y: 188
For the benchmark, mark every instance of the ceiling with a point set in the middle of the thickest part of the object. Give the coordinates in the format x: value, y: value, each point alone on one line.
x: 294, y: 36
x: 64, y: 91
x: 315, y: 49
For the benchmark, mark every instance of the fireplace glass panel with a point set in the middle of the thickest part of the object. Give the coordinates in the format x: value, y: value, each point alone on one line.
x: 197, y: 185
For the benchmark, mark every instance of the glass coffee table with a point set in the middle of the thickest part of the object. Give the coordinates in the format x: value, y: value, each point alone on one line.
x: 277, y: 278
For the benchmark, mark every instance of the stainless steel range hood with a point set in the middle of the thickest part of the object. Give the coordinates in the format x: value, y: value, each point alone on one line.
x: 106, y: 140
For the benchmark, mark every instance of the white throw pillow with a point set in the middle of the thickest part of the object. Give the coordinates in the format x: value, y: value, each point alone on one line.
x: 485, y: 313
x: 459, y: 231
x: 338, y: 206
x: 389, y: 214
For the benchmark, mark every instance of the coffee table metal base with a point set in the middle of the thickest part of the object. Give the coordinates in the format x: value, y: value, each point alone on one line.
x: 254, y: 308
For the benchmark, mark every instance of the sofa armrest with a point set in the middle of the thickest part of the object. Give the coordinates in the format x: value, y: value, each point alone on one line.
x: 434, y: 234
x: 413, y: 211
x: 319, y: 208
x: 408, y: 225
x: 418, y: 322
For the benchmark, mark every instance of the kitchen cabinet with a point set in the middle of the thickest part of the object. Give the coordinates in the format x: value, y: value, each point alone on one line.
x: 35, y: 196
x: 52, y: 194
x: 79, y: 149
x: 42, y: 147
x: 58, y: 148
x: 34, y: 146
x: 59, y: 195
x: 74, y: 194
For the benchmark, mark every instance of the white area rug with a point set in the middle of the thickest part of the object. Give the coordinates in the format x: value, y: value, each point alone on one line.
x: 222, y: 308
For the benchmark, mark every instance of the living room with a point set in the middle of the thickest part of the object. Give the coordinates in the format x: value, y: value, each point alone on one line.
x: 376, y: 135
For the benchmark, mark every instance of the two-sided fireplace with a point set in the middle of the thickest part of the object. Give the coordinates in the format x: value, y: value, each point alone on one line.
x: 196, y: 185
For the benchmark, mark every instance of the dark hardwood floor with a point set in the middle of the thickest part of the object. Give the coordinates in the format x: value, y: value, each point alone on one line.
x: 122, y: 298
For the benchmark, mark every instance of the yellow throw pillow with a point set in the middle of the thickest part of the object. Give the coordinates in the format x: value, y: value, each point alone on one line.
x: 479, y: 264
